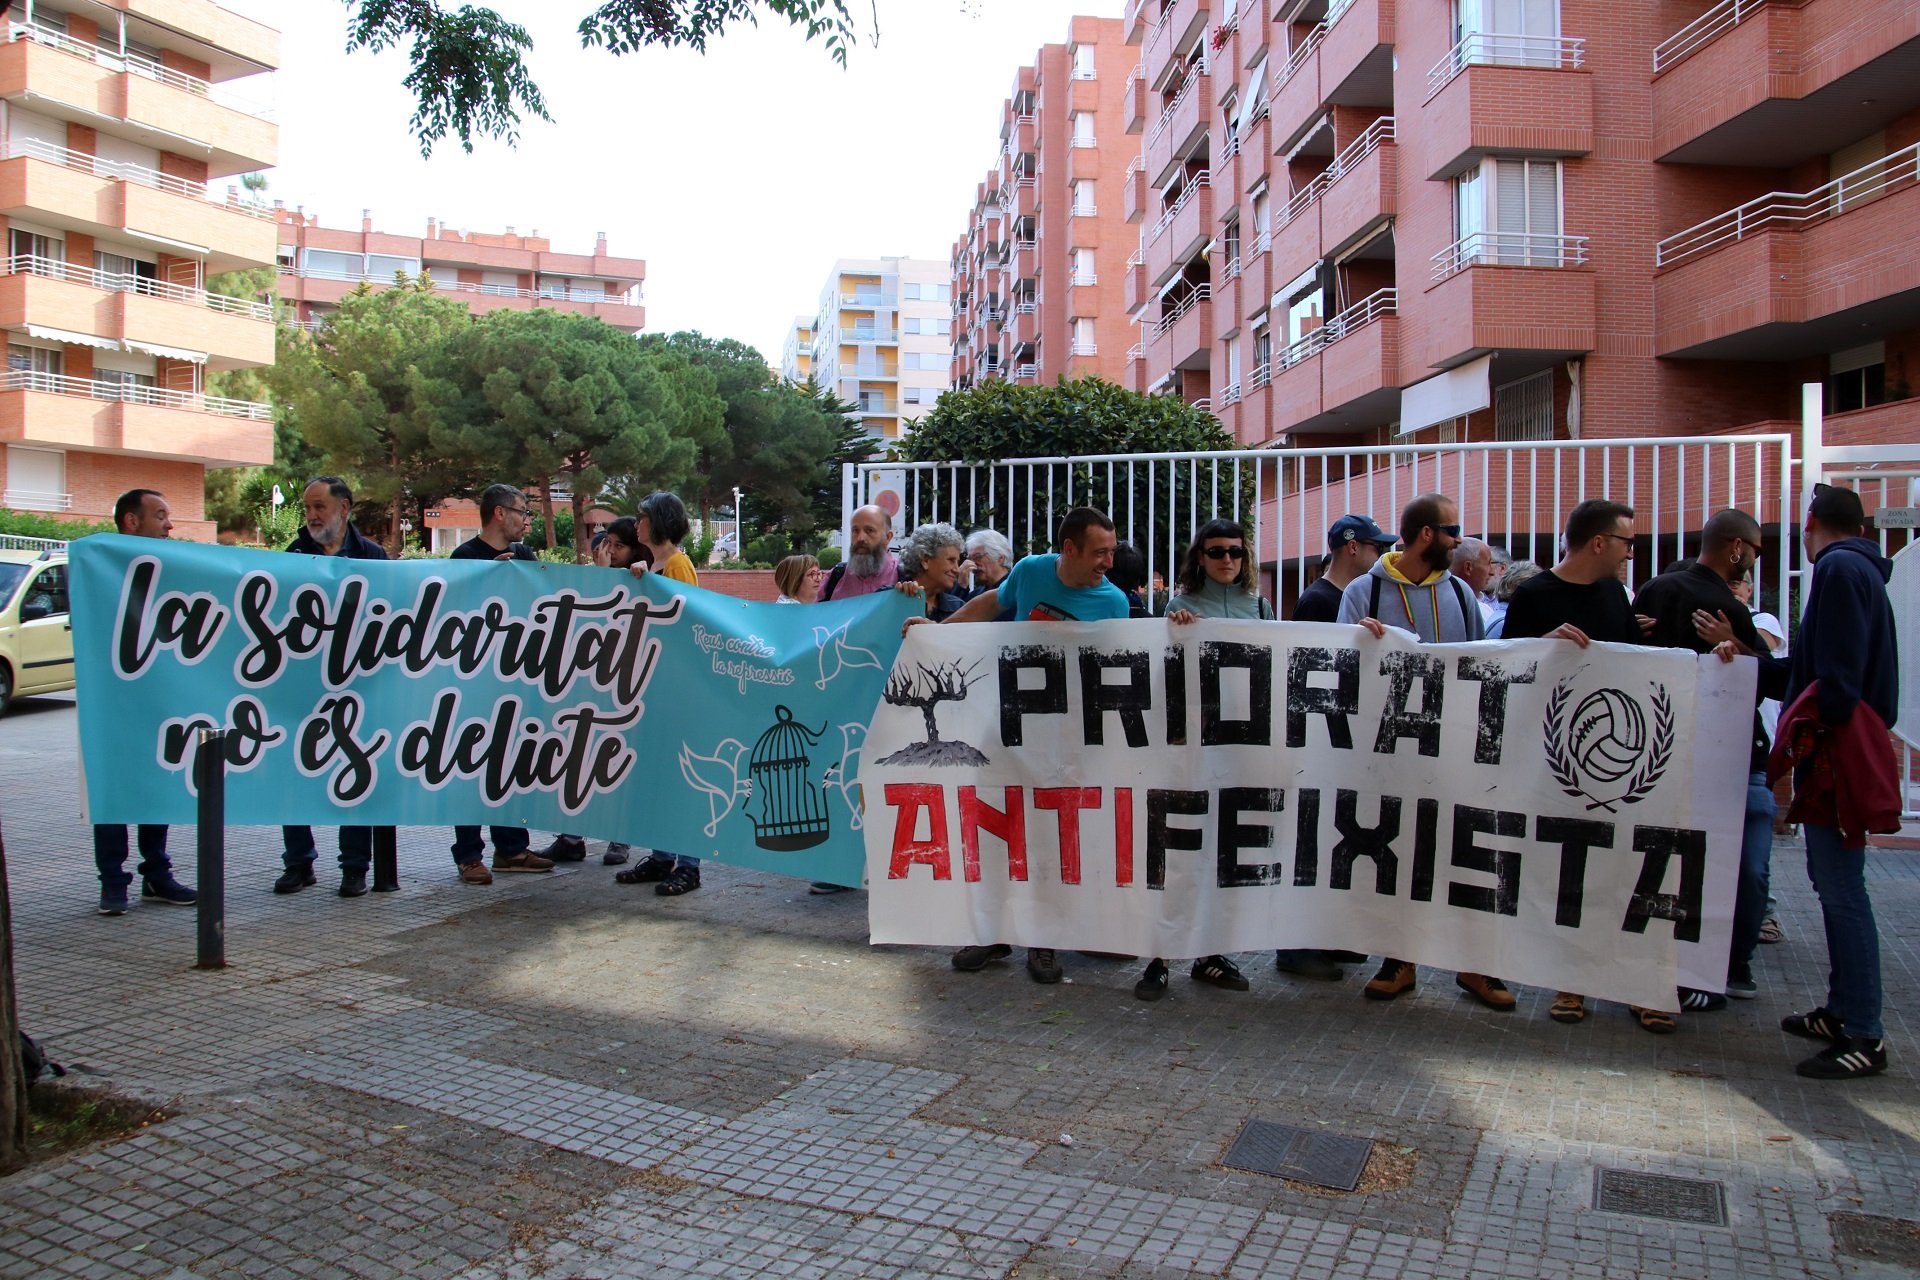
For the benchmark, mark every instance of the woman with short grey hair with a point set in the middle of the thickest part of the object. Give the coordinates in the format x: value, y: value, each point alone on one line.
x: 931, y: 557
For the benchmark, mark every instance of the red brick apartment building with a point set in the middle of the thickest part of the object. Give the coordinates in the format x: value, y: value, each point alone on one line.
x: 1371, y: 221
x: 1037, y: 276
x: 118, y: 125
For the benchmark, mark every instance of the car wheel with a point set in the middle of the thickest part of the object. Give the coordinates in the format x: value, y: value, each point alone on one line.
x: 6, y: 687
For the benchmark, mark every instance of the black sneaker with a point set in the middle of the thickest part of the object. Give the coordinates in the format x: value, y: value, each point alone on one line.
x: 353, y: 882
x: 566, y: 849
x: 1701, y: 1001
x: 1820, y: 1024
x: 821, y: 888
x: 1740, y: 983
x: 113, y: 902
x: 974, y: 959
x: 1220, y: 972
x: 1847, y: 1058
x: 168, y: 890
x: 294, y: 879
x: 1308, y: 964
x: 1042, y: 966
x: 1153, y: 983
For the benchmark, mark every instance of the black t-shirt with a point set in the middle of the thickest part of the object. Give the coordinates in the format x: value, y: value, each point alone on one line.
x: 1546, y: 600
x: 477, y: 548
x: 1670, y: 600
x: 1320, y: 602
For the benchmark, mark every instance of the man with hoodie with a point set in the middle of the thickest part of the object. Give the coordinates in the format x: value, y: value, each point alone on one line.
x: 1846, y: 648
x: 1413, y: 589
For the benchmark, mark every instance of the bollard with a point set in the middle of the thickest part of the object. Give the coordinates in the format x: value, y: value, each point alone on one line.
x: 210, y: 781
x: 386, y: 859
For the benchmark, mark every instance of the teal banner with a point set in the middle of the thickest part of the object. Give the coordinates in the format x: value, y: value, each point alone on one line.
x: 436, y: 692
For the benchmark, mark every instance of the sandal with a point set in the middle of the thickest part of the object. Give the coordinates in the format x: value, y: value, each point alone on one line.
x: 1568, y: 1007
x: 683, y: 880
x: 646, y: 871
x: 1770, y: 930
x: 1658, y: 1021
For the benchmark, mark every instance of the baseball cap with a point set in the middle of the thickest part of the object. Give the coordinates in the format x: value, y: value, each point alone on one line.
x: 1357, y: 529
x: 1836, y: 508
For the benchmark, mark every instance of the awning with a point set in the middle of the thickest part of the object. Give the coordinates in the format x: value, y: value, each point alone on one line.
x: 168, y: 353
x: 67, y: 335
x: 1453, y: 394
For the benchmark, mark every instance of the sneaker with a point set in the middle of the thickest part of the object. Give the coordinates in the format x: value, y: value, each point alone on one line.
x: 525, y: 860
x: 294, y: 879
x: 353, y: 882
x: 1153, y: 983
x: 475, y: 872
x: 1847, y: 1058
x: 680, y: 880
x: 167, y: 890
x: 1042, y: 967
x: 1490, y: 992
x: 1394, y: 980
x: 1740, y: 983
x: 648, y: 870
x: 1220, y: 972
x: 616, y: 854
x: 113, y: 902
x: 974, y: 959
x: 1308, y: 964
x: 563, y: 849
x: 1820, y: 1024
x: 821, y: 888
x: 1701, y: 1001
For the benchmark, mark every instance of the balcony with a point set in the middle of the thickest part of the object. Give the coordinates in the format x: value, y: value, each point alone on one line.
x: 1356, y: 53
x: 1294, y: 92
x: 161, y: 107
x: 1183, y: 335
x: 1136, y: 283
x: 1499, y: 101
x: 36, y: 500
x: 1507, y: 292
x: 1026, y: 260
x: 1135, y: 188
x: 1766, y: 85
x: 1345, y: 201
x: 1136, y: 25
x: 135, y: 313
x: 1133, y: 107
x: 82, y: 413
x: 1026, y: 324
x: 1793, y: 272
x: 869, y: 301
x: 1182, y: 230
x: 1180, y: 127
x: 1343, y: 375
x: 1499, y: 49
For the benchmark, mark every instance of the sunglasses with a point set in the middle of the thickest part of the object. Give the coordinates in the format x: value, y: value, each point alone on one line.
x: 1451, y: 530
x: 1225, y: 553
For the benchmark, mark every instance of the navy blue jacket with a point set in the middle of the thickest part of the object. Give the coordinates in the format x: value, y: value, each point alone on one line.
x: 354, y: 546
x: 1846, y: 639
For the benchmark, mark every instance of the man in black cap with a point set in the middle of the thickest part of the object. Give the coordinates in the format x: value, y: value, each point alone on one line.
x: 1353, y: 544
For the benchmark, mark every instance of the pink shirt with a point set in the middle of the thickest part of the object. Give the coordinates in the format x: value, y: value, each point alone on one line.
x: 851, y: 585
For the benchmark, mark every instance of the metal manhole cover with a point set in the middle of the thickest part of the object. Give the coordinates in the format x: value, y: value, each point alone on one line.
x: 1305, y: 1155
x: 1659, y: 1195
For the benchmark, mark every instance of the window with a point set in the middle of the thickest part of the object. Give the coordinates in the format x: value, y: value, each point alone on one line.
x: 46, y: 595
x: 119, y: 384
x: 1262, y: 223
x: 1508, y: 212
x: 1233, y: 361
x: 1262, y: 346
x: 1084, y: 271
x: 1083, y: 198
x: 1083, y: 129
x: 1523, y: 410
x: 381, y: 266
x: 1084, y: 343
x: 1230, y: 241
x: 1514, y: 32
x: 36, y: 368
x: 1857, y: 379
x: 1084, y: 67
x: 126, y: 272
x: 26, y: 244
x: 329, y: 265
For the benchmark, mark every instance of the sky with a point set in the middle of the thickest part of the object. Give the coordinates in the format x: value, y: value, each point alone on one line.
x: 739, y: 176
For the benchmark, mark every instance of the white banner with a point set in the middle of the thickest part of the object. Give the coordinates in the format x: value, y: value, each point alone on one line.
x: 1550, y: 815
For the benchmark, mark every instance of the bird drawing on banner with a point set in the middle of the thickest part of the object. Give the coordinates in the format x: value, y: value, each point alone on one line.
x: 836, y: 654
x: 844, y: 776
x: 718, y: 777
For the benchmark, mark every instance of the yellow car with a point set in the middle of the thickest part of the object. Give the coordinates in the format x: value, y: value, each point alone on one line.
x: 36, y: 631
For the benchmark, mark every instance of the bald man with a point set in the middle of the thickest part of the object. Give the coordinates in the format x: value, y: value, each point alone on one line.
x: 869, y: 566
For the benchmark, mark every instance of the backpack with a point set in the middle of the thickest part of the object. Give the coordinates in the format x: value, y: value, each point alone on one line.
x: 34, y: 1060
x: 1373, y: 601
x: 834, y: 575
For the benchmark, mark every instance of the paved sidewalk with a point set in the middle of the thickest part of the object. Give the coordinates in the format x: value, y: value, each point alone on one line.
x: 560, y: 1076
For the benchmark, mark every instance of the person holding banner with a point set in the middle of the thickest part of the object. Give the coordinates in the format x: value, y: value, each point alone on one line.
x: 1413, y: 589
x: 798, y: 578
x: 328, y: 531
x: 931, y: 558
x: 1069, y: 585
x: 139, y: 513
x: 504, y: 517
x: 869, y: 566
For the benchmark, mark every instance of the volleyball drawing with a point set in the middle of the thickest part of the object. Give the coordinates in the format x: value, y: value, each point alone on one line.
x: 1609, y: 735
x: 1606, y: 751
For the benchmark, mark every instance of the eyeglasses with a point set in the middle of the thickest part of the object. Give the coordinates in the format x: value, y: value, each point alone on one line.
x: 1451, y: 530
x: 1756, y: 548
x: 1623, y: 537
x: 519, y: 511
x: 1225, y: 553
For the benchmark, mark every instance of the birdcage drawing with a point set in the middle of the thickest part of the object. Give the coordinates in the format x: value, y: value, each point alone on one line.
x: 793, y: 806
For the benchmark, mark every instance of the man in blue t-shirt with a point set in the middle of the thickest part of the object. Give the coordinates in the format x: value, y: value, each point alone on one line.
x: 1068, y: 586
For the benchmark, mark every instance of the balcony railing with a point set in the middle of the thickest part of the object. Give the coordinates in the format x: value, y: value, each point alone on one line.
x: 1198, y: 70
x: 137, y: 63
x: 1298, y: 58
x: 68, y: 158
x: 1260, y: 376
x: 871, y: 335
x: 1084, y: 349
x: 1026, y: 373
x: 1082, y: 278
x: 1509, y: 249
x: 1084, y: 211
x: 37, y: 500
x: 1027, y: 308
x: 1335, y: 10
x: 1703, y: 31
x: 1230, y: 394
x: 1493, y: 48
x: 1381, y: 130
x: 117, y: 282
x: 1136, y: 352
x: 552, y: 293
x: 1195, y: 184
x: 869, y: 300
x: 1791, y: 210
x: 1171, y: 318
x: 133, y: 393
x: 1233, y: 267
x: 1362, y: 313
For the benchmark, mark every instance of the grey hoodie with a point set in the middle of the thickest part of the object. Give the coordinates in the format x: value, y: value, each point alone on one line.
x: 1443, y: 610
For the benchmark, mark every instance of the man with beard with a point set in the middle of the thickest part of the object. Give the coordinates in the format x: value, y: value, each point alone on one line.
x: 329, y: 531
x: 869, y: 566
x: 1413, y: 589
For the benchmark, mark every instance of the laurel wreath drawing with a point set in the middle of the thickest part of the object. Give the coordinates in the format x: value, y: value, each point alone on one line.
x: 1560, y: 761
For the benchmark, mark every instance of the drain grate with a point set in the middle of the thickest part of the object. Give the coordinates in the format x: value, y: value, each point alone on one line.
x: 1659, y: 1195
x: 1305, y: 1155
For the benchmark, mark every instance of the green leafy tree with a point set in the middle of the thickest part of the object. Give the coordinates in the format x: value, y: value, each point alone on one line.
x: 851, y: 446
x: 469, y: 73
x: 998, y: 420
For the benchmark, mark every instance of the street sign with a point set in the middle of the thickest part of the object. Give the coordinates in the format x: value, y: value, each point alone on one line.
x: 1897, y: 518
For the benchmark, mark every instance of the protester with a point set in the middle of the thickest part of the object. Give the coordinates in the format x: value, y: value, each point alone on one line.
x: 1354, y: 543
x: 504, y: 517
x: 1846, y: 665
x: 1413, y: 589
x: 328, y: 505
x: 1473, y: 565
x: 992, y: 559
x: 931, y: 558
x: 1129, y: 573
x: 1503, y: 594
x: 1493, y: 605
x: 798, y: 580
x: 139, y: 513
x: 1677, y: 600
x: 1582, y: 599
x: 1065, y: 586
x: 869, y: 566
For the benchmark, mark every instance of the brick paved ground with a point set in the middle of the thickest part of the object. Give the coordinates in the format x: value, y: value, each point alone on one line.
x: 558, y: 1076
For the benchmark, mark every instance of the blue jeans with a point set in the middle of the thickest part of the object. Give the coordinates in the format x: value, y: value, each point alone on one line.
x: 1839, y: 876
x: 1756, y: 865
x: 110, y: 854
x: 356, y: 847
x: 506, y: 841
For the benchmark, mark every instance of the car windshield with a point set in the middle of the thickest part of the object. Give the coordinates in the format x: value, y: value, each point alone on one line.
x: 10, y: 575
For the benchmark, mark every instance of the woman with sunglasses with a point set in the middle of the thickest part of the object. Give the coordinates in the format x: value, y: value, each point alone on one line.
x: 1217, y: 580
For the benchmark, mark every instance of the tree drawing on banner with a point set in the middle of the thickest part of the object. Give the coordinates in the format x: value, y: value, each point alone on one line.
x: 926, y: 687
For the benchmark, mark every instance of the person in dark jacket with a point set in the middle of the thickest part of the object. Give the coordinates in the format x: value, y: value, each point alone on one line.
x: 1847, y: 644
x: 329, y: 531
x: 1354, y: 544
